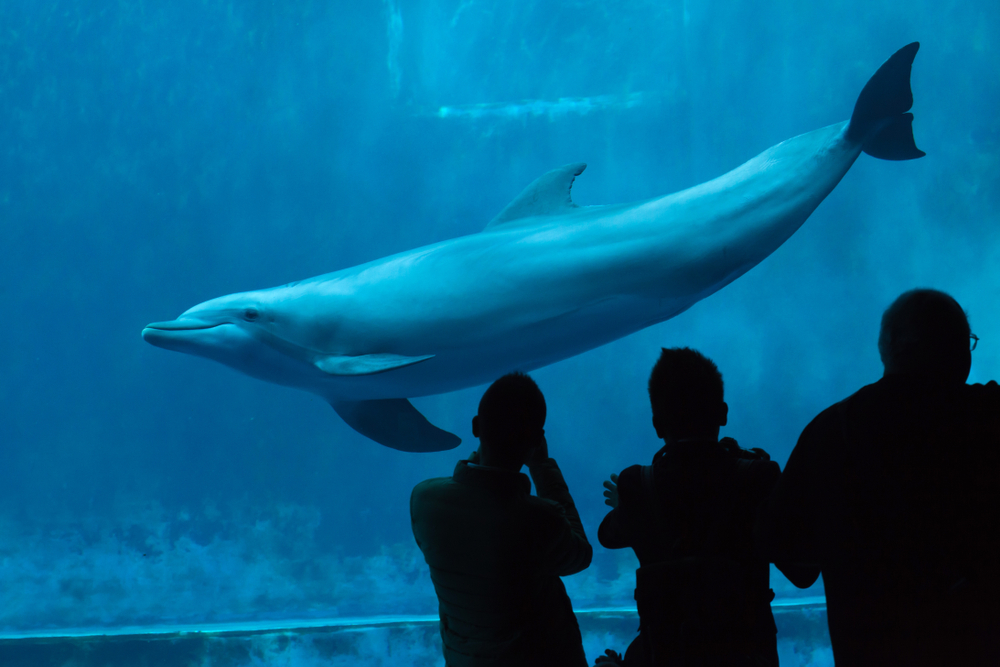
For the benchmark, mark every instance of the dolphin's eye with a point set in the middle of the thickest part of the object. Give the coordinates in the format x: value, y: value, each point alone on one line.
x: 251, y: 314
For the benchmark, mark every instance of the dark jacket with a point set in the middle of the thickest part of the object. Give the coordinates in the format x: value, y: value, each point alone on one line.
x: 895, y: 494
x: 696, y: 550
x: 496, y: 554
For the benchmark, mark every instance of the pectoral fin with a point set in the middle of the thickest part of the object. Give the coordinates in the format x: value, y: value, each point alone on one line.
x: 365, y: 364
x: 395, y: 423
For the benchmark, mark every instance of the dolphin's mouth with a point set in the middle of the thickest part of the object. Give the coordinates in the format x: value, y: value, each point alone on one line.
x: 179, y: 334
x: 181, y: 325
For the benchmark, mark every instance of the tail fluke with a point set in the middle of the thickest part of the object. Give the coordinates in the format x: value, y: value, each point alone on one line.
x: 880, y: 122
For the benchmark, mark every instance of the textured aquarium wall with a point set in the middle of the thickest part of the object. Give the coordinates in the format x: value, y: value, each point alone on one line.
x: 157, y: 154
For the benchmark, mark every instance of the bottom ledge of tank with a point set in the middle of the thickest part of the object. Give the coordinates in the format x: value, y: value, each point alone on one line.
x: 350, y: 642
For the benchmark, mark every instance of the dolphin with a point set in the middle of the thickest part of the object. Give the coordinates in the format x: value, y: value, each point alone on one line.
x: 544, y: 281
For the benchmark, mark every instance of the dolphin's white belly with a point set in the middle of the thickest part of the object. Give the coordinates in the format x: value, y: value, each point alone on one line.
x: 533, y: 346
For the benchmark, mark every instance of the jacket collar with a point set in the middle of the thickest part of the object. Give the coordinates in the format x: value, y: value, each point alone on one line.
x: 494, y: 479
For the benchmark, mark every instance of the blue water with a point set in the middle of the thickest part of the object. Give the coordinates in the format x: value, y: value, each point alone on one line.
x: 154, y: 155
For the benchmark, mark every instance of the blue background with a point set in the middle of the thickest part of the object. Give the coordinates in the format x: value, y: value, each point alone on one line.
x: 156, y: 154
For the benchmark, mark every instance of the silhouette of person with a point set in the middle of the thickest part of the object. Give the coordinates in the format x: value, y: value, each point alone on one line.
x: 703, y: 595
x: 893, y: 493
x: 495, y: 551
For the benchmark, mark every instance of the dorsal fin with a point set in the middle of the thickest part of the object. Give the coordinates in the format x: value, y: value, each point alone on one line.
x: 549, y: 194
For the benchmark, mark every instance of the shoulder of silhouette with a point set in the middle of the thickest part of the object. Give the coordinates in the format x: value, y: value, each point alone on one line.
x: 752, y: 454
x: 754, y: 463
x: 989, y: 391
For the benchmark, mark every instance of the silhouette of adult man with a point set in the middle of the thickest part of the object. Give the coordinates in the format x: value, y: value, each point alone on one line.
x: 495, y: 551
x: 894, y: 494
x: 702, y: 593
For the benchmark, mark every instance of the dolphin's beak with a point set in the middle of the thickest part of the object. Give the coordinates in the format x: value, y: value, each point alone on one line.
x: 181, y: 325
x: 161, y: 334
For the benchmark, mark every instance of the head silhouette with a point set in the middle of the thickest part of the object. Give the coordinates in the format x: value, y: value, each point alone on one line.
x: 686, y: 394
x: 925, y: 333
x: 510, y: 422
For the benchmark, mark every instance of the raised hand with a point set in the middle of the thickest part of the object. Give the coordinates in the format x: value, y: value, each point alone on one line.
x: 609, y: 659
x: 540, y: 452
x: 611, y: 493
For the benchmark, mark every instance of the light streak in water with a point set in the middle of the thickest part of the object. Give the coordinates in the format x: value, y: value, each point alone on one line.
x: 563, y: 106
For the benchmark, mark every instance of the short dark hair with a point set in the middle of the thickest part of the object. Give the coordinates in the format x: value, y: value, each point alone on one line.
x: 686, y: 389
x: 511, y: 409
x: 923, y: 329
